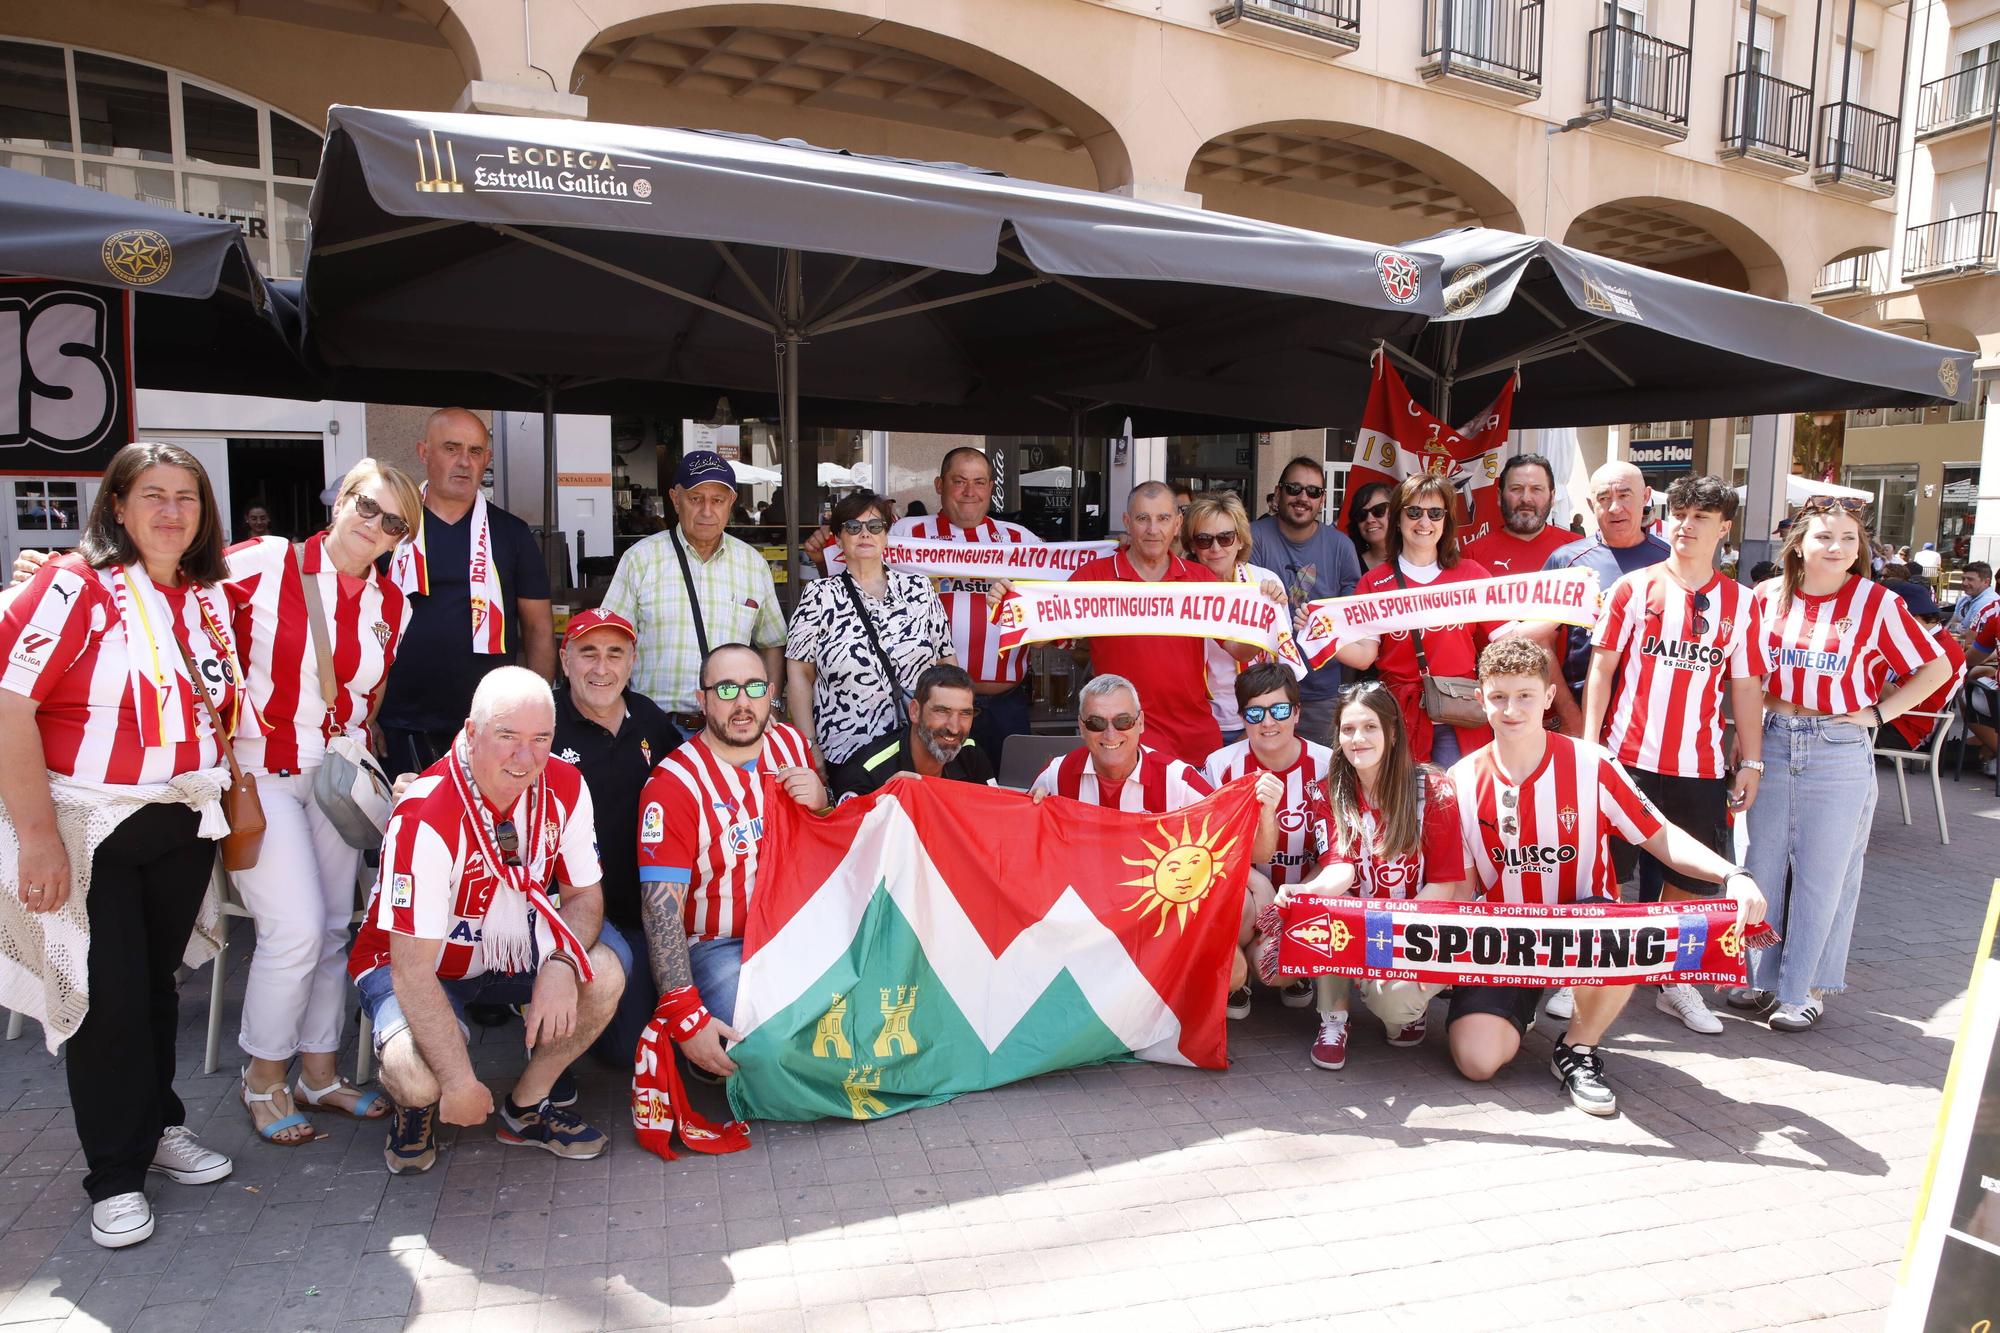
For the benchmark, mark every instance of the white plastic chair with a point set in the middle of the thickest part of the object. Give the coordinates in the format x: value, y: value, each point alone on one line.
x: 1928, y: 758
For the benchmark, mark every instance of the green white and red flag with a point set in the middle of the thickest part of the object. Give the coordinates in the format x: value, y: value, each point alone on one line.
x: 939, y: 937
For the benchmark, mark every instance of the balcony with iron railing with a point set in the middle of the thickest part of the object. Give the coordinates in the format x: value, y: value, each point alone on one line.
x: 1949, y: 247
x: 1856, y: 275
x: 1323, y: 27
x: 1854, y: 151
x: 1766, y: 122
x: 1492, y: 49
x: 1957, y: 100
x: 1638, y: 82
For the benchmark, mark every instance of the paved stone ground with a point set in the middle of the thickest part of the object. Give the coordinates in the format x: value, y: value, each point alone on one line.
x: 1754, y: 1180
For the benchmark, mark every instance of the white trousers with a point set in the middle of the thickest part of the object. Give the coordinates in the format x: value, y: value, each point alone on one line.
x: 301, y: 896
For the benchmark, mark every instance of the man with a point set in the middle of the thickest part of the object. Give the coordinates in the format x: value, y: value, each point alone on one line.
x: 479, y: 596
x: 1618, y: 495
x: 1537, y: 810
x: 1315, y: 560
x: 462, y: 913
x: 1526, y: 538
x: 1170, y: 671
x: 937, y: 744
x: 701, y: 824
x: 1975, y: 596
x: 1927, y: 562
x: 1674, y: 640
x: 692, y: 587
x: 1111, y: 768
x: 964, y: 485
x: 614, y: 735
x: 1183, y: 501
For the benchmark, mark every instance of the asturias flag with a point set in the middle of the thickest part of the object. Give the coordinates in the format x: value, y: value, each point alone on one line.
x: 939, y: 937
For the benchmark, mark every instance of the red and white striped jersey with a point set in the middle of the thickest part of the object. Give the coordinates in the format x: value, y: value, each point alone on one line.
x: 364, y: 619
x: 435, y: 884
x: 1914, y: 729
x: 68, y: 649
x: 1438, y: 859
x: 1824, y: 651
x: 1297, y: 856
x: 975, y: 639
x: 1674, y: 659
x: 1156, y: 784
x: 701, y: 822
x: 1545, y: 839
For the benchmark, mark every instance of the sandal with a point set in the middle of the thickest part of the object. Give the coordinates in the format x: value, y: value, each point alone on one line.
x: 273, y: 1132
x: 365, y: 1100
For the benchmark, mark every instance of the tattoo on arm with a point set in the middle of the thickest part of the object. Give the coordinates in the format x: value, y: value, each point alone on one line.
x: 666, y: 937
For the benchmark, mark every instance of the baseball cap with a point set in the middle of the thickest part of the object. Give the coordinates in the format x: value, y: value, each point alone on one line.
x: 1915, y: 596
x: 700, y: 465
x: 583, y: 622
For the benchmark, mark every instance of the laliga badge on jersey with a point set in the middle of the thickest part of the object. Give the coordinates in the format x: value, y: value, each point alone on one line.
x: 401, y: 892
x: 652, y: 824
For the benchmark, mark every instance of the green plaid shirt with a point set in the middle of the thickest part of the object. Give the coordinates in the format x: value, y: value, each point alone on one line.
x: 739, y: 604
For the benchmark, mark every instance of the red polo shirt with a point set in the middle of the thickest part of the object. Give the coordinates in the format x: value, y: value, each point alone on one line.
x: 1168, y: 670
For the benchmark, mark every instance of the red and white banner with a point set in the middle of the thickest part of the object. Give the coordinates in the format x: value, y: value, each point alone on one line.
x: 1566, y: 596
x: 1513, y: 944
x: 1237, y: 612
x: 1399, y: 438
x: 1049, y: 561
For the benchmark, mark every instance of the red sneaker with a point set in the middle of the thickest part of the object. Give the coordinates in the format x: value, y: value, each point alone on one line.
x: 1330, y: 1048
x: 1412, y: 1034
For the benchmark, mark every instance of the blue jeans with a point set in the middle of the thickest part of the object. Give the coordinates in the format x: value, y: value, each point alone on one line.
x: 1813, y: 813
x: 616, y: 1045
x: 1445, y: 750
x: 716, y: 964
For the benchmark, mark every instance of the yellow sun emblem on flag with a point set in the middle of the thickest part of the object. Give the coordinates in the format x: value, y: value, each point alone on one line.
x: 1178, y: 875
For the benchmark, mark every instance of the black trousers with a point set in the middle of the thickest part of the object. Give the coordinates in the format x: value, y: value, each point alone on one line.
x: 146, y: 885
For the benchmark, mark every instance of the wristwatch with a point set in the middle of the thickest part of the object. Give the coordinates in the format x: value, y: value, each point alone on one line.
x: 1754, y: 765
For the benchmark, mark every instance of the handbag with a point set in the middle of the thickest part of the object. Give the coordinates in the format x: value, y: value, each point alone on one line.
x: 895, y: 730
x: 350, y: 788
x: 241, y: 806
x: 1450, y: 700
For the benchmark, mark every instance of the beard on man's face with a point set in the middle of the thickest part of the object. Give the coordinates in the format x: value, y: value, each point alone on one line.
x: 942, y: 746
x: 1528, y: 518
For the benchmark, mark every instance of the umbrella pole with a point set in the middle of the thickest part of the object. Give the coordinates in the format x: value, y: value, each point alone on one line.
x: 1075, y: 475
x: 554, y: 555
x: 791, y: 315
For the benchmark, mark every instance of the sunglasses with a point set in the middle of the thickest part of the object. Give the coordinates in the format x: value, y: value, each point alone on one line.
x: 1827, y: 504
x: 1431, y: 512
x: 1376, y: 510
x: 727, y: 690
x: 1699, y: 601
x: 1221, y: 541
x: 1300, y: 488
x: 1123, y: 722
x: 509, y: 840
x: 393, y: 524
x: 1256, y: 713
x: 1509, y: 799
x: 874, y: 527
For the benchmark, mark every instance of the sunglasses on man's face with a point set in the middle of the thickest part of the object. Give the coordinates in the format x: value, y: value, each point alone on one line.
x: 1297, y: 488
x: 1256, y: 713
x: 393, y: 524
x: 1431, y: 512
x: 727, y: 690
x: 1221, y: 541
x: 1122, y: 722
x: 874, y: 527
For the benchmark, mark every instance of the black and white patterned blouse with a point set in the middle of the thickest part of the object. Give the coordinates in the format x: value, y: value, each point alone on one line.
x: 852, y: 700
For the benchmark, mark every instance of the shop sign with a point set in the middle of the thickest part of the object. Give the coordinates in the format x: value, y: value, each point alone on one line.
x: 1660, y: 453
x: 65, y: 376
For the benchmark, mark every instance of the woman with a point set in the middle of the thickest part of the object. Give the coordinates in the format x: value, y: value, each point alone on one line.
x: 1830, y: 631
x: 1423, y: 550
x: 116, y: 652
x: 1391, y: 832
x: 1217, y: 530
x: 836, y: 687
x: 301, y: 891
x: 1368, y: 523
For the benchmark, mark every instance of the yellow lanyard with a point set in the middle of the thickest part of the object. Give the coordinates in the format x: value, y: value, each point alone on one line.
x: 152, y: 647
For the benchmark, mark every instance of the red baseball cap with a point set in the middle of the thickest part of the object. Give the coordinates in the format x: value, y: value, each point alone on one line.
x: 583, y: 622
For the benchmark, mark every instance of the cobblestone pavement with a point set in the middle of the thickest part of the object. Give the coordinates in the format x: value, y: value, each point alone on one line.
x: 1754, y: 1180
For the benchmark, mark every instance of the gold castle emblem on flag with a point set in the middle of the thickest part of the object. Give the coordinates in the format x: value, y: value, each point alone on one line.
x: 860, y: 1085
x: 1178, y: 875
x: 896, y: 1015
x: 1732, y: 941
x: 830, y: 1038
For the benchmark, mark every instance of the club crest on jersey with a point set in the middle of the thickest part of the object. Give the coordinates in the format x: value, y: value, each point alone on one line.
x: 652, y: 824
x: 1567, y: 818
x: 1725, y: 627
x: 402, y: 891
x: 1844, y: 626
x: 382, y: 632
x: 551, y: 831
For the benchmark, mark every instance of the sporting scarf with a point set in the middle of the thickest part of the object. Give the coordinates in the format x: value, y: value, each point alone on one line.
x: 166, y: 711
x: 1565, y: 596
x: 1238, y: 612
x: 660, y: 1102
x: 941, y: 559
x: 409, y: 569
x: 507, y: 936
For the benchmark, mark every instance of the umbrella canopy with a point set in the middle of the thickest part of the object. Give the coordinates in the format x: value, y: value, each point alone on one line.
x: 749, y: 474
x: 835, y: 477
x: 204, y: 319
x: 1799, y: 489
x: 1048, y: 478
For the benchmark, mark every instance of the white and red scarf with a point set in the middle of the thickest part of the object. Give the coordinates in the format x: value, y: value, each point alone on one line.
x: 507, y: 937
x: 1237, y: 612
x: 166, y: 711
x: 409, y: 570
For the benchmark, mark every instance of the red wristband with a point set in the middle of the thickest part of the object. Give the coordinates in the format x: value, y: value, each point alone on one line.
x: 683, y: 1011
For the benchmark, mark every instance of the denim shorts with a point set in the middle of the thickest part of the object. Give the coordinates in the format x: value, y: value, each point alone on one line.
x: 378, y: 997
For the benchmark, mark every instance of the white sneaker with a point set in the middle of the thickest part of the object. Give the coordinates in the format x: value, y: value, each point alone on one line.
x: 1797, y: 1017
x: 1685, y: 1003
x: 1560, y: 1004
x: 181, y: 1158
x: 121, y: 1220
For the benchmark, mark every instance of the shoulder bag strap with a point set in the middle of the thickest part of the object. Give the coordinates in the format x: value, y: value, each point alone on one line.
x: 1416, y: 636
x: 868, y: 625
x: 316, y: 620
x: 694, y: 601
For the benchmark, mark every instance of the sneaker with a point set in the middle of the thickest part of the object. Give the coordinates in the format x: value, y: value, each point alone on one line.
x: 1298, y: 994
x: 1239, y: 1002
x: 1749, y: 999
x: 550, y: 1128
x: 1560, y: 1004
x: 121, y: 1220
x: 1329, y: 1049
x: 562, y: 1092
x: 412, y: 1145
x: 181, y: 1159
x: 1797, y: 1017
x: 1412, y: 1034
x: 1685, y: 1003
x: 1581, y: 1070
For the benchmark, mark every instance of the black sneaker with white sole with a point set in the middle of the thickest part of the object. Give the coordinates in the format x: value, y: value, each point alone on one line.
x: 1581, y: 1070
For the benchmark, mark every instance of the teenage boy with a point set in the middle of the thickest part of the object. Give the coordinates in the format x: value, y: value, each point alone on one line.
x: 1673, y: 640
x: 1537, y: 809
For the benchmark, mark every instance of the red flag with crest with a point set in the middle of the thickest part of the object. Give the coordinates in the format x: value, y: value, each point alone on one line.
x: 1400, y: 438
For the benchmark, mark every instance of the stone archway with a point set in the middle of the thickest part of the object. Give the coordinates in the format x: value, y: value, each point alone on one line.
x: 1684, y: 239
